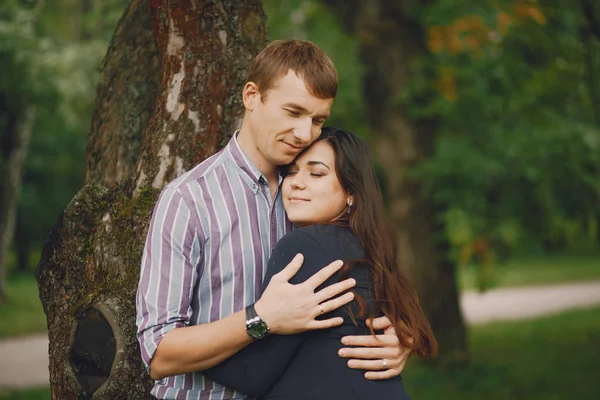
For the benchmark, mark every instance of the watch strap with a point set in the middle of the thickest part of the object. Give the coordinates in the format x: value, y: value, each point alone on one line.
x: 250, y: 312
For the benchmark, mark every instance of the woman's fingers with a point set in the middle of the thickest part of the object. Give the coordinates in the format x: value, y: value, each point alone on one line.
x: 383, y: 375
x: 373, y: 365
x: 371, y: 341
x: 380, y: 323
x: 366, y: 353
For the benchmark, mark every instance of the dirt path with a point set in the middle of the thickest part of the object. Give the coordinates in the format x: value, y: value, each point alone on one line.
x: 24, y: 361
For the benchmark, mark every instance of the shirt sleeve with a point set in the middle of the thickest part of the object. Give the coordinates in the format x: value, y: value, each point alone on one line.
x: 255, y: 369
x: 168, y: 271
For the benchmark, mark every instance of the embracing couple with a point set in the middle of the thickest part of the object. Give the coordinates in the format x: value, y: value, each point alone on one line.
x: 270, y: 269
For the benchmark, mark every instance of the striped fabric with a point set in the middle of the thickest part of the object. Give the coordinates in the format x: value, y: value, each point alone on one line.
x: 211, y: 235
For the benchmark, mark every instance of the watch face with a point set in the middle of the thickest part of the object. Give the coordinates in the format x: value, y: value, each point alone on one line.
x: 258, y: 330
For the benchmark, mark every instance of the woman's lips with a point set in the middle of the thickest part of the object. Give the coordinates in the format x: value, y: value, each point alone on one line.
x: 293, y: 199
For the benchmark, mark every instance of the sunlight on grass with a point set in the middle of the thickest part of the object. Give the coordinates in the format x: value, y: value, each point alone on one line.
x: 552, y: 358
x: 23, y: 313
x: 539, y: 270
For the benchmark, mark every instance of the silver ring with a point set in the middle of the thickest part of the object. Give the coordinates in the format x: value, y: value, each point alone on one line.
x: 383, y: 364
x: 321, y: 308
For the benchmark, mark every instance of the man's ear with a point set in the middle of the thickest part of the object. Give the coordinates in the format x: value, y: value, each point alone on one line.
x: 250, y: 95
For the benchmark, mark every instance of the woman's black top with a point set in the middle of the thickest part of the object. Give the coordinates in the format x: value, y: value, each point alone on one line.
x: 307, y: 365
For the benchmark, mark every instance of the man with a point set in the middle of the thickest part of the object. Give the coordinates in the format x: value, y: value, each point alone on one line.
x: 213, y: 230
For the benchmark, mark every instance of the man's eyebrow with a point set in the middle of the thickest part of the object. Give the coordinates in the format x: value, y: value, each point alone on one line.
x: 304, y: 110
x: 317, y: 163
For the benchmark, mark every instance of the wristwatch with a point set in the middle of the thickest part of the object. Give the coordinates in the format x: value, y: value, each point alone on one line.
x: 255, y: 327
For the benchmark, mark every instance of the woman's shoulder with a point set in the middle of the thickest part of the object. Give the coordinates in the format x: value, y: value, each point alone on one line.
x: 323, y: 230
x: 338, y: 240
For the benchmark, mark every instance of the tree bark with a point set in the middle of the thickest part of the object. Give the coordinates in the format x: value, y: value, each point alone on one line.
x: 13, y: 153
x: 169, y: 96
x: 390, y: 42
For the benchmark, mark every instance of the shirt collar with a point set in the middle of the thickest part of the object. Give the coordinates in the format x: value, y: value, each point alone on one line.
x: 249, y: 172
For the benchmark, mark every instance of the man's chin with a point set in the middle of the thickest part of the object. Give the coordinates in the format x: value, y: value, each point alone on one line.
x: 285, y: 160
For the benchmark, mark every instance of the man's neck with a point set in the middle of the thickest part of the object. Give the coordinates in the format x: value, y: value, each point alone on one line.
x: 268, y: 169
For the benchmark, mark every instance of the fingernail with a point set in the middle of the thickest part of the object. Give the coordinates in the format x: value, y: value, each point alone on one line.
x: 344, y: 340
x: 352, y: 281
x: 339, y: 263
x: 352, y: 363
x: 342, y: 352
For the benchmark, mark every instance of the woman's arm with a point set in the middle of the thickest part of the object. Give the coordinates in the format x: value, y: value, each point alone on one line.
x: 255, y: 369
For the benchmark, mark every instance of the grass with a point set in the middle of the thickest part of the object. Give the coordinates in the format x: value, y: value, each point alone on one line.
x: 23, y: 313
x: 537, y: 270
x: 30, y: 394
x: 554, y: 358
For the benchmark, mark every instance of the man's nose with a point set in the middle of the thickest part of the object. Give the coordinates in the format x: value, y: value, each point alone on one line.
x: 303, y: 133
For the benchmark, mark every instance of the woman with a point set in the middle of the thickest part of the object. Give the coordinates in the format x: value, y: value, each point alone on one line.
x: 331, y: 193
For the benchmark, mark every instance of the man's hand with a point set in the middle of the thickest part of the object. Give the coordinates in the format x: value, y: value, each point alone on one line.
x: 383, y: 353
x: 289, y: 309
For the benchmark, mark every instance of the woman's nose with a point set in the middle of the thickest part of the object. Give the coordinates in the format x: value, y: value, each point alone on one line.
x: 297, y: 182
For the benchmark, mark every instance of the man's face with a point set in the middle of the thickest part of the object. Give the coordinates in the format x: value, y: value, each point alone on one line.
x: 288, y: 120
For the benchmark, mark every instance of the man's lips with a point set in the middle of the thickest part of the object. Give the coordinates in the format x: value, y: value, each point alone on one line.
x: 296, y: 148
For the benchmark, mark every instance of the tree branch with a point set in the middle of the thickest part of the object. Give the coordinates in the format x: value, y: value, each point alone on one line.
x: 588, y: 12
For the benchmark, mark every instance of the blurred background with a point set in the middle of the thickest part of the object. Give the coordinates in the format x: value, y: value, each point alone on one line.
x: 514, y: 87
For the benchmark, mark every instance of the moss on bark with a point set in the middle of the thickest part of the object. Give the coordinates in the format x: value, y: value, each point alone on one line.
x: 92, y: 257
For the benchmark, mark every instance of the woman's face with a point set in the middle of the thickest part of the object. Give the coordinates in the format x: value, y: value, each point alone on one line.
x: 312, y: 192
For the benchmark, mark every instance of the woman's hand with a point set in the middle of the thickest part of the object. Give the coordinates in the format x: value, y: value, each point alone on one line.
x: 382, y: 356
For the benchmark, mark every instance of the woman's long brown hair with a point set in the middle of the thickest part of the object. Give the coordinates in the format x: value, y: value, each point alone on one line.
x: 394, y: 293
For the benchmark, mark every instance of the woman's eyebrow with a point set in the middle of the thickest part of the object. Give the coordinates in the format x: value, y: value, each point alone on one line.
x: 317, y: 163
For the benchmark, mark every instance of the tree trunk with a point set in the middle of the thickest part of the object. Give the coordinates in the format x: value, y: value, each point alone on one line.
x: 160, y: 110
x: 390, y: 43
x: 13, y: 152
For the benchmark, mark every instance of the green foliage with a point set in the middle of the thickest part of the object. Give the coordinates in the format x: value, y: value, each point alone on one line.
x: 311, y: 20
x: 518, y: 138
x: 54, y: 50
x: 23, y: 309
x: 548, y: 358
x: 517, y: 155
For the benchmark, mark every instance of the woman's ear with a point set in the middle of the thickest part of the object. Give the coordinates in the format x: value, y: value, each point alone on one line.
x: 250, y: 95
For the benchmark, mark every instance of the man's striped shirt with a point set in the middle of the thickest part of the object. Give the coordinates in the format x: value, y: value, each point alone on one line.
x: 211, y: 235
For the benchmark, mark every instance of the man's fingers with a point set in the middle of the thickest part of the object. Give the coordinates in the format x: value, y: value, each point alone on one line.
x: 292, y: 268
x: 321, y: 276
x: 336, y: 303
x: 370, y: 341
x: 380, y: 323
x: 335, y: 289
x: 326, y: 323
